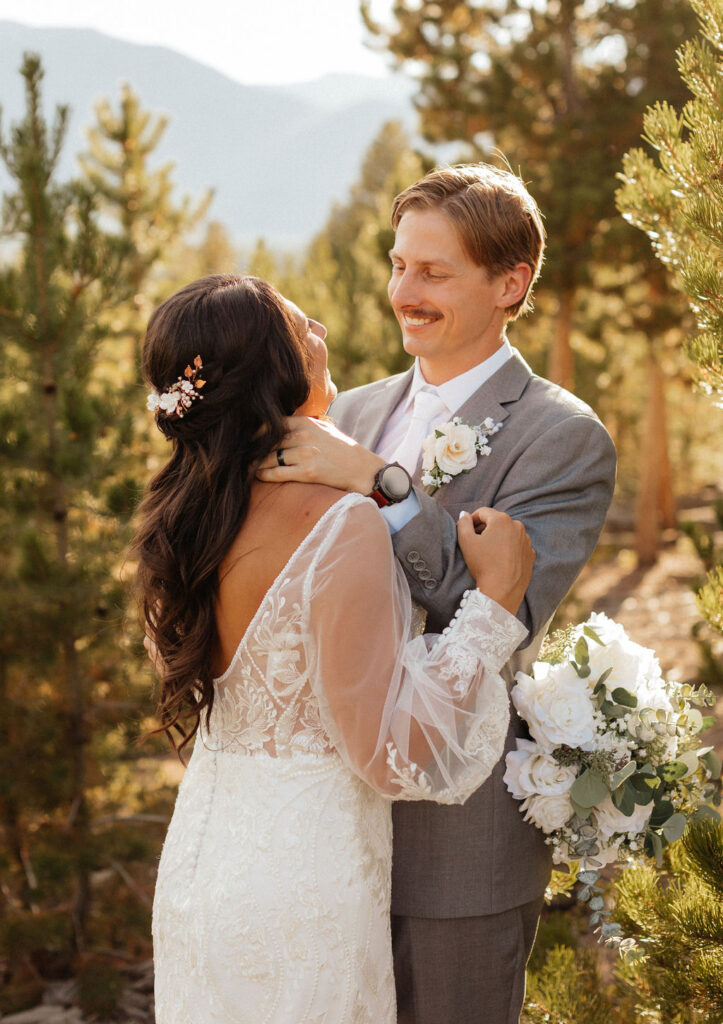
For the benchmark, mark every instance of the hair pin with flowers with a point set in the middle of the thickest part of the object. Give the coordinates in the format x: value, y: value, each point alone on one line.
x: 177, y: 399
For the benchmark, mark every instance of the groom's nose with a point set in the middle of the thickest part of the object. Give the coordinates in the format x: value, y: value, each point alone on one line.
x: 404, y: 291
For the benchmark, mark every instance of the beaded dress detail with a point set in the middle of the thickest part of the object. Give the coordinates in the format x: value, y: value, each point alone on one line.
x: 273, y: 892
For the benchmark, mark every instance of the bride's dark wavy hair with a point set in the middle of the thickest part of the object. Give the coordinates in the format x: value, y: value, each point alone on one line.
x: 256, y: 369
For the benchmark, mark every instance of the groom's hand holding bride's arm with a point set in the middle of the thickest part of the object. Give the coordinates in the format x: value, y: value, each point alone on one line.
x: 315, y: 451
x: 499, y: 555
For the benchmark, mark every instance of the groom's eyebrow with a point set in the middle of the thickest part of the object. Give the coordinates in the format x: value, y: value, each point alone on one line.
x: 436, y: 261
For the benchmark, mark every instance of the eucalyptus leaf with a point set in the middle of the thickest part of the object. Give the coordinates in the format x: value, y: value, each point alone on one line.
x: 589, y: 631
x: 609, y: 929
x: 588, y: 790
x: 439, y: 433
x: 597, y: 903
x: 690, y: 759
x: 611, y: 710
x: 585, y: 893
x: 582, y: 653
x: 604, y: 677
x: 644, y: 783
x: 706, y: 813
x: 674, y: 827
x: 712, y: 763
x: 662, y: 810
x: 671, y: 771
x: 641, y: 789
x: 624, y: 799
x: 695, y: 719
x: 622, y: 696
x: 622, y: 774
x: 582, y: 670
x: 582, y: 812
x: 595, y: 918
x: 657, y: 848
x: 588, y: 877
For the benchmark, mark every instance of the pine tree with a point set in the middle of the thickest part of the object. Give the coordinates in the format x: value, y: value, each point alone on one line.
x: 344, y: 275
x: 141, y: 199
x: 678, y: 202
x: 69, y: 467
x: 677, y: 975
x: 557, y: 86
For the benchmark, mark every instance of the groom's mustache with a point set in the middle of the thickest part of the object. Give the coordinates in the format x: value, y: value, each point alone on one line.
x: 421, y: 314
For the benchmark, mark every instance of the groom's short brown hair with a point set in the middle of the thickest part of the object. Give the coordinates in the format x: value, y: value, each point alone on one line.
x: 498, y: 221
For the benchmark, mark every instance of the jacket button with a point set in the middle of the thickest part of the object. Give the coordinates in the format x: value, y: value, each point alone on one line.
x: 430, y: 584
x: 425, y: 574
x: 413, y: 556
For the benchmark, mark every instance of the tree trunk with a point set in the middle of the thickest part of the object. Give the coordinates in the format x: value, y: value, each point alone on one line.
x: 561, y: 366
x: 655, y: 506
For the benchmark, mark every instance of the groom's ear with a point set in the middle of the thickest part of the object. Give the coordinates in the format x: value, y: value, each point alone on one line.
x: 514, y: 284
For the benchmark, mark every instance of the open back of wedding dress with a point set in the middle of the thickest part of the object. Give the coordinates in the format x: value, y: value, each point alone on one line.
x: 272, y: 901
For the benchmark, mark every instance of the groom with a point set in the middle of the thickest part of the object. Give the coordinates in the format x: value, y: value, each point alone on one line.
x: 468, y: 882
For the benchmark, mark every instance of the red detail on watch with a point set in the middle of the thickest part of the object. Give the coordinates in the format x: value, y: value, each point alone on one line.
x: 380, y: 499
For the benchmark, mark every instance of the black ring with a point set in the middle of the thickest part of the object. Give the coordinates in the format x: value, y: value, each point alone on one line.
x: 280, y: 456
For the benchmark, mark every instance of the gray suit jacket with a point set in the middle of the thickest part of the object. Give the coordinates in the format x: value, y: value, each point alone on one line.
x: 552, y: 466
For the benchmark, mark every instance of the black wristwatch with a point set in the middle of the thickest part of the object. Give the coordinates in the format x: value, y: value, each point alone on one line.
x: 391, y: 485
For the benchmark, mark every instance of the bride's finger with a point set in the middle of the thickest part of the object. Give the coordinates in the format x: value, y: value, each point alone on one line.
x: 277, y: 474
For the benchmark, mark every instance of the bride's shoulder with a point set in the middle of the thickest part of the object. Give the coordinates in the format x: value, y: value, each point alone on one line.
x: 307, y: 503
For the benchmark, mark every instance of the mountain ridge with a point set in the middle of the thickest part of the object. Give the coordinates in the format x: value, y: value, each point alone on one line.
x: 277, y: 156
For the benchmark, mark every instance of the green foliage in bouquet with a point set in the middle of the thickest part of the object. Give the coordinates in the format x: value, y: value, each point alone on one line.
x: 676, y: 971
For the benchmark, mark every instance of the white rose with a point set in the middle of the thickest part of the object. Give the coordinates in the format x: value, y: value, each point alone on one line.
x: 634, y: 668
x: 531, y: 772
x: 550, y: 778
x: 517, y: 777
x: 548, y: 812
x: 609, y: 820
x: 428, y: 452
x: 556, y: 706
x: 455, y: 450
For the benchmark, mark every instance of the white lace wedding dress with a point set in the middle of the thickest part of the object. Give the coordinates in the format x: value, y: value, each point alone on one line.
x: 272, y: 901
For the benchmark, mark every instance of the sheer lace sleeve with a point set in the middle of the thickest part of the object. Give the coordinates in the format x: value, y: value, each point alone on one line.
x: 421, y: 718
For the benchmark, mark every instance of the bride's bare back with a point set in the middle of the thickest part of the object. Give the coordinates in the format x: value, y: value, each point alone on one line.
x: 280, y: 516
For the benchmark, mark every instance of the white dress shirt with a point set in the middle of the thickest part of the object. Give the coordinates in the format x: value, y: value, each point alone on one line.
x: 454, y: 393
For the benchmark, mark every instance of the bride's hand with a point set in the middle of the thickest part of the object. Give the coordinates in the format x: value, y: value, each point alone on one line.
x: 498, y: 554
x: 316, y: 452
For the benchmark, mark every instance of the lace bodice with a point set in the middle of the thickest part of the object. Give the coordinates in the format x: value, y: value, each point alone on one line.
x: 329, y: 664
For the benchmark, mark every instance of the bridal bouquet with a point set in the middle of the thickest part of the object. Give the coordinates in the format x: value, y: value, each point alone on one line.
x: 615, y: 766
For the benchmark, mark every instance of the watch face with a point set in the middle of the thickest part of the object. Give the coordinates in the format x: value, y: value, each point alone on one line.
x: 395, y: 482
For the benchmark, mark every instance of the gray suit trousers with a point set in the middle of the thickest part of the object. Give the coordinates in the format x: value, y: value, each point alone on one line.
x: 442, y: 980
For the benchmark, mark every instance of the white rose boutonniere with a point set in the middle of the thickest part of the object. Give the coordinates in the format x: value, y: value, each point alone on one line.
x: 452, y: 449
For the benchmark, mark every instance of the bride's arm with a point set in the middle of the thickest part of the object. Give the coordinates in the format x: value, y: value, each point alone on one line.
x: 422, y: 718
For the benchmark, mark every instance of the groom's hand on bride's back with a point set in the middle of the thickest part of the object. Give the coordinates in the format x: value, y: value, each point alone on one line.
x: 498, y: 553
x: 316, y: 452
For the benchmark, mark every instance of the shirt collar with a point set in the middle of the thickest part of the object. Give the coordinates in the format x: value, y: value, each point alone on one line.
x: 455, y: 392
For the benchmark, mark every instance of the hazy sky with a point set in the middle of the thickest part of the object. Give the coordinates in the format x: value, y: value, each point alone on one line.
x: 249, y: 40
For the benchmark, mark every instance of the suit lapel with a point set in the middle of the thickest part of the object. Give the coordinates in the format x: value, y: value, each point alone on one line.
x: 494, y: 399
x: 376, y: 410
x: 502, y: 389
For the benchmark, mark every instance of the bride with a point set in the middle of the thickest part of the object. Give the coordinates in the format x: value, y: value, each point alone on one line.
x: 283, y: 627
